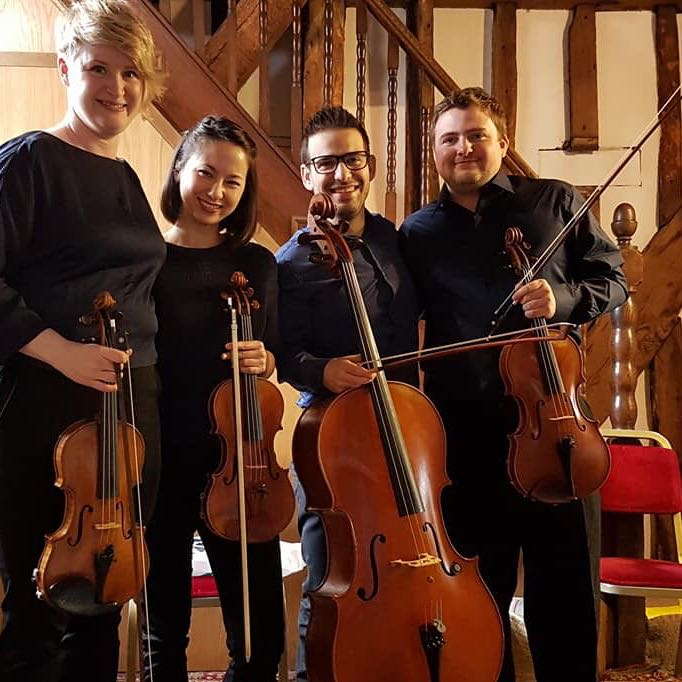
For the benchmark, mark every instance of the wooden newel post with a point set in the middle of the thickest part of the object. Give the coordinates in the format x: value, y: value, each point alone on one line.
x: 623, y: 534
x: 624, y: 320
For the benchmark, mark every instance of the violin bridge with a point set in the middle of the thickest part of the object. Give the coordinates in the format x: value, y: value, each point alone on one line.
x: 111, y: 525
x: 421, y: 561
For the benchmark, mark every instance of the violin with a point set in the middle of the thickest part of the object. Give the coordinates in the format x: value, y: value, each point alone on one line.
x: 557, y: 453
x: 268, y: 496
x: 398, y: 602
x: 97, y: 559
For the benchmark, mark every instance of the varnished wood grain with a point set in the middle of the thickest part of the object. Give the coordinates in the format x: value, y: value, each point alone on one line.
x: 582, y: 80
x: 504, y: 62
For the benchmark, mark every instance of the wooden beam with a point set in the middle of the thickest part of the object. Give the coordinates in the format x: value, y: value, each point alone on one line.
x: 44, y: 60
x: 504, y: 62
x: 438, y: 75
x: 666, y: 389
x: 582, y: 80
x: 247, y: 52
x: 314, y: 57
x: 599, y: 5
x: 419, y: 102
x: 668, y: 78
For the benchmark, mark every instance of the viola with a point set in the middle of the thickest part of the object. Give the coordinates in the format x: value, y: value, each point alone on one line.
x: 268, y: 496
x: 557, y: 453
x: 97, y: 559
x: 398, y: 602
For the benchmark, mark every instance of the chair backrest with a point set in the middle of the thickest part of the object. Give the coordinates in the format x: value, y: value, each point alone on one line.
x: 642, y: 479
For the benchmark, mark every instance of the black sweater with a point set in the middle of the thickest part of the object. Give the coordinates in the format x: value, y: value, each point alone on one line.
x: 73, y: 224
x: 194, y: 327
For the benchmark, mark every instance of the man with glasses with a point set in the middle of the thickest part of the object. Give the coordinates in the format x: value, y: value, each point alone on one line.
x: 455, y: 250
x: 319, y: 341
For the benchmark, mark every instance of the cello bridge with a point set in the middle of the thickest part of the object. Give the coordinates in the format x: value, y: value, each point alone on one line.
x: 421, y: 561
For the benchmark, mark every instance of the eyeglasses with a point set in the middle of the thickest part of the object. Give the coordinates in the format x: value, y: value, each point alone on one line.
x: 353, y: 161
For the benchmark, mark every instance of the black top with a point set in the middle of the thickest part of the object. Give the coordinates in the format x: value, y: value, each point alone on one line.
x: 73, y: 224
x: 316, y: 322
x: 460, y: 268
x: 194, y: 327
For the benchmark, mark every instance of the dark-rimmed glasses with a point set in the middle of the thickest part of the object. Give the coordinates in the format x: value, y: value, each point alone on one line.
x: 353, y: 161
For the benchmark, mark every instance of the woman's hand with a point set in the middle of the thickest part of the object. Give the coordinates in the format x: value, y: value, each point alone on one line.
x: 88, y: 364
x: 253, y: 358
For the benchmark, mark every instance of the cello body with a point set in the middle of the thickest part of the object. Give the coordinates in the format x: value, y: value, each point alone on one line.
x: 397, y: 603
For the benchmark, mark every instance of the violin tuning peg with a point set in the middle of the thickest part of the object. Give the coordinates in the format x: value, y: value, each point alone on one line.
x: 249, y: 292
x: 255, y: 305
x: 224, y: 295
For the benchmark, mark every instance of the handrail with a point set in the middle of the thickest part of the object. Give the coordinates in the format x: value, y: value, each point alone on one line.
x: 437, y: 74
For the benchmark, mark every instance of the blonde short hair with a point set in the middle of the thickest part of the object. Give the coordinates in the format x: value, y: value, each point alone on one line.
x: 115, y: 24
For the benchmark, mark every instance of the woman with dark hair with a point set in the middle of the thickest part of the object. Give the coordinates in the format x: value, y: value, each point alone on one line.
x: 74, y: 222
x: 210, y: 197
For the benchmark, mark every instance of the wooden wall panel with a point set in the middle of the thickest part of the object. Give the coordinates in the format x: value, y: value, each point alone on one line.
x: 27, y: 25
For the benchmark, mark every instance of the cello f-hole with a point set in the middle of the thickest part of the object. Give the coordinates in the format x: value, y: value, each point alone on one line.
x: 362, y: 592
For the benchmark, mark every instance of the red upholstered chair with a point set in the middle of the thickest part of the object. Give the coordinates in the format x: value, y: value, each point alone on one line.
x: 643, y: 480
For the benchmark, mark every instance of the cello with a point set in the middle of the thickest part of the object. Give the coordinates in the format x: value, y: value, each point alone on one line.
x: 426, y: 614
x: 97, y: 559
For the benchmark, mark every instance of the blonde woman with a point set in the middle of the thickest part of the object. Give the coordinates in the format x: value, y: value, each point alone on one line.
x: 74, y: 221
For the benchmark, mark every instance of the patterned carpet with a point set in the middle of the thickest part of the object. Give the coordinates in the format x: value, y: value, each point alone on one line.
x: 193, y: 677
x: 639, y: 674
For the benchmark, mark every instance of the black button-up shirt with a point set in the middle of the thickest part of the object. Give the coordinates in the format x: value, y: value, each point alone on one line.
x: 462, y: 273
x: 316, y: 323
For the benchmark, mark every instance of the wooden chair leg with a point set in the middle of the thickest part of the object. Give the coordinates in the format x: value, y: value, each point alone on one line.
x: 132, y: 643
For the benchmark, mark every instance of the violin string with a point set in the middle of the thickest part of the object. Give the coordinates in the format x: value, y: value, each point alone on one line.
x: 245, y: 395
x: 379, y: 388
x: 257, y: 437
x: 253, y: 411
x: 138, y: 501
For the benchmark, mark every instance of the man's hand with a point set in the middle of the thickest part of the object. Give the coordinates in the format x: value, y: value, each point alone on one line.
x: 537, y: 299
x: 341, y: 374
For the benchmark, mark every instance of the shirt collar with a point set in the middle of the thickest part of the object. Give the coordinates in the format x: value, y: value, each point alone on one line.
x: 500, y: 181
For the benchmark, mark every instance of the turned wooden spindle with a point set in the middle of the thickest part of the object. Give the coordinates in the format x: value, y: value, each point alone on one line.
x: 296, y: 83
x: 392, y: 135
x: 361, y: 60
x: 624, y: 320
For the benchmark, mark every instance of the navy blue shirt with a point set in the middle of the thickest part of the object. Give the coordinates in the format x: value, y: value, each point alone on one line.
x: 316, y: 323
x: 462, y: 273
